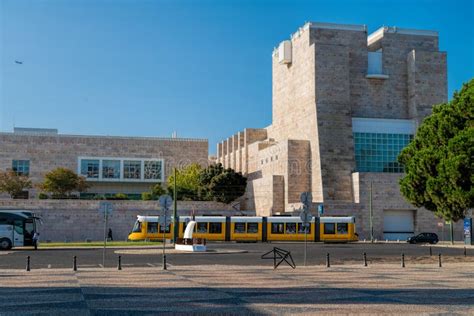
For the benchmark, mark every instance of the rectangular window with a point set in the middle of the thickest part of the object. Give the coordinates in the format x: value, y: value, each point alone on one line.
x: 252, y: 228
x: 342, y: 228
x: 329, y: 228
x: 215, y: 228
x: 111, y: 169
x: 21, y: 167
x: 301, y: 228
x: 202, y: 228
x: 90, y: 168
x: 152, y: 227
x: 239, y: 228
x: 168, y: 228
x: 278, y: 228
x: 132, y: 169
x: 152, y: 170
x: 291, y: 228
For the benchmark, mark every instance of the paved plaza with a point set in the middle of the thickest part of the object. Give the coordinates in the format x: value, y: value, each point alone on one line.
x: 219, y: 289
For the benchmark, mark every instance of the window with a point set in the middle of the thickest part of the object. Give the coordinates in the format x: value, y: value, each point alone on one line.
x: 215, y: 228
x: 202, y: 228
x: 329, y: 228
x: 291, y: 228
x: 152, y: 170
x: 378, y: 152
x: 132, y: 169
x: 111, y: 169
x: 152, y: 228
x: 342, y: 228
x: 167, y: 230
x: 21, y: 167
x: 278, y: 228
x: 137, y: 228
x: 90, y: 168
x: 239, y: 228
x: 301, y: 228
x: 252, y: 228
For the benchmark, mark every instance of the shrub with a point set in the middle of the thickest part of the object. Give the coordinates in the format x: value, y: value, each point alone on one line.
x: 43, y: 196
x: 14, y: 184
x: 120, y: 196
x: 147, y: 196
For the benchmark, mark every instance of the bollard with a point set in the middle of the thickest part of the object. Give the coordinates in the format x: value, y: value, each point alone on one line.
x: 439, y: 260
x: 74, y: 264
x: 465, y: 254
x: 431, y: 253
x: 365, y: 259
x: 28, y: 263
x: 119, y: 267
x: 328, y: 264
x: 403, y: 260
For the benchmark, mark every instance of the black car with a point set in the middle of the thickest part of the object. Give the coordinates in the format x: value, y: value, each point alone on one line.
x: 431, y: 238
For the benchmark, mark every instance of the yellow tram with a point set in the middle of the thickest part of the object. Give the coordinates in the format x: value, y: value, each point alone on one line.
x: 250, y: 228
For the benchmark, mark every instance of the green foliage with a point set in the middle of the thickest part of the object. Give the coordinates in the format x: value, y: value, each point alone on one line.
x: 42, y: 196
x: 147, y: 196
x: 13, y: 184
x: 439, y: 162
x: 187, y: 183
x: 222, y: 185
x: 61, y: 182
x: 119, y: 196
x: 157, y: 191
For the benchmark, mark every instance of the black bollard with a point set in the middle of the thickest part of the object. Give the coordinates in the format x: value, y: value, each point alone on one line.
x: 28, y: 263
x: 431, y: 253
x: 119, y: 267
x: 74, y: 264
x: 439, y: 260
x: 365, y: 259
x: 328, y: 264
x: 164, y: 262
x: 403, y: 260
x: 465, y: 254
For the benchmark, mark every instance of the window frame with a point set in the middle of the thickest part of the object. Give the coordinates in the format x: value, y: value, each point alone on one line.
x: 333, y: 228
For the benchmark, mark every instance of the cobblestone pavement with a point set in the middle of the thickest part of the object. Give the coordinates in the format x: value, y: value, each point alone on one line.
x: 387, y: 289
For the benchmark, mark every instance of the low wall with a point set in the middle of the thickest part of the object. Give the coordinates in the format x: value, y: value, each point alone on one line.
x: 78, y: 220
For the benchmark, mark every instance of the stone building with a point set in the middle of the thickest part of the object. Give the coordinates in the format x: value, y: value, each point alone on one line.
x: 344, y: 105
x: 129, y: 165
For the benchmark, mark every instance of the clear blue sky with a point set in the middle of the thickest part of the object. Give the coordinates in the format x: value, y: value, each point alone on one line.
x: 201, y: 68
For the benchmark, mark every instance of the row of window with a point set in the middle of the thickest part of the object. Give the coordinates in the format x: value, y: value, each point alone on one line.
x: 121, y: 169
x: 289, y: 228
x: 271, y: 159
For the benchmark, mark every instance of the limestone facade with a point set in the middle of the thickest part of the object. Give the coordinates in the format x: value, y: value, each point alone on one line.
x: 329, y: 82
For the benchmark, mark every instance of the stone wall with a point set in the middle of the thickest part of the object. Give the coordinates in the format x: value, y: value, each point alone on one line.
x: 78, y: 220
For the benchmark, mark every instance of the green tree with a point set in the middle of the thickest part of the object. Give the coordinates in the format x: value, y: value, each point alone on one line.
x: 61, y: 182
x: 187, y: 183
x: 157, y: 190
x: 439, y: 162
x: 13, y: 184
x: 222, y: 185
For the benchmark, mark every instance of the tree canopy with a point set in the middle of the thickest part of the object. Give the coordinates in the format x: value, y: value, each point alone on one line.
x: 187, y: 182
x: 439, y: 162
x: 13, y: 184
x: 61, y: 182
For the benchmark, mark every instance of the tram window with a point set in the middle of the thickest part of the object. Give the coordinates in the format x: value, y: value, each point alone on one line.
x: 291, y: 228
x: 252, y: 228
x: 278, y: 228
x: 239, y: 228
x: 167, y: 230
x: 137, y: 228
x: 301, y: 228
x: 202, y: 228
x: 152, y: 228
x: 329, y: 228
x: 342, y: 228
x: 215, y: 228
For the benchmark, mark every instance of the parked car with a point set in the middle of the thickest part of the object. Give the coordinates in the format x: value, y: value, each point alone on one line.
x: 431, y: 238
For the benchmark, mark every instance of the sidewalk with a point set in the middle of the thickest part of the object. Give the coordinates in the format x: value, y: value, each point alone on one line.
x: 241, y: 290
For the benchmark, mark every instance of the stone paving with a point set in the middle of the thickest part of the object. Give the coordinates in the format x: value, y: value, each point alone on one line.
x: 383, y: 288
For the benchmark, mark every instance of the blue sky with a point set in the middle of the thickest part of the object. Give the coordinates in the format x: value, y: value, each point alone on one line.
x: 201, y: 68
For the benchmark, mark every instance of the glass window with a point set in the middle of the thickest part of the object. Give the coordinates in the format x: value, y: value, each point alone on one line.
x: 152, y: 227
x: 342, y: 228
x: 329, y: 228
x: 202, y: 228
x: 252, y: 228
x: 137, y: 228
x: 132, y: 169
x: 21, y: 167
x: 152, y: 170
x: 239, y: 228
x: 278, y: 228
x: 291, y: 228
x: 111, y: 169
x: 18, y: 226
x: 90, y: 168
x: 168, y: 228
x: 215, y: 228
x: 301, y: 228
